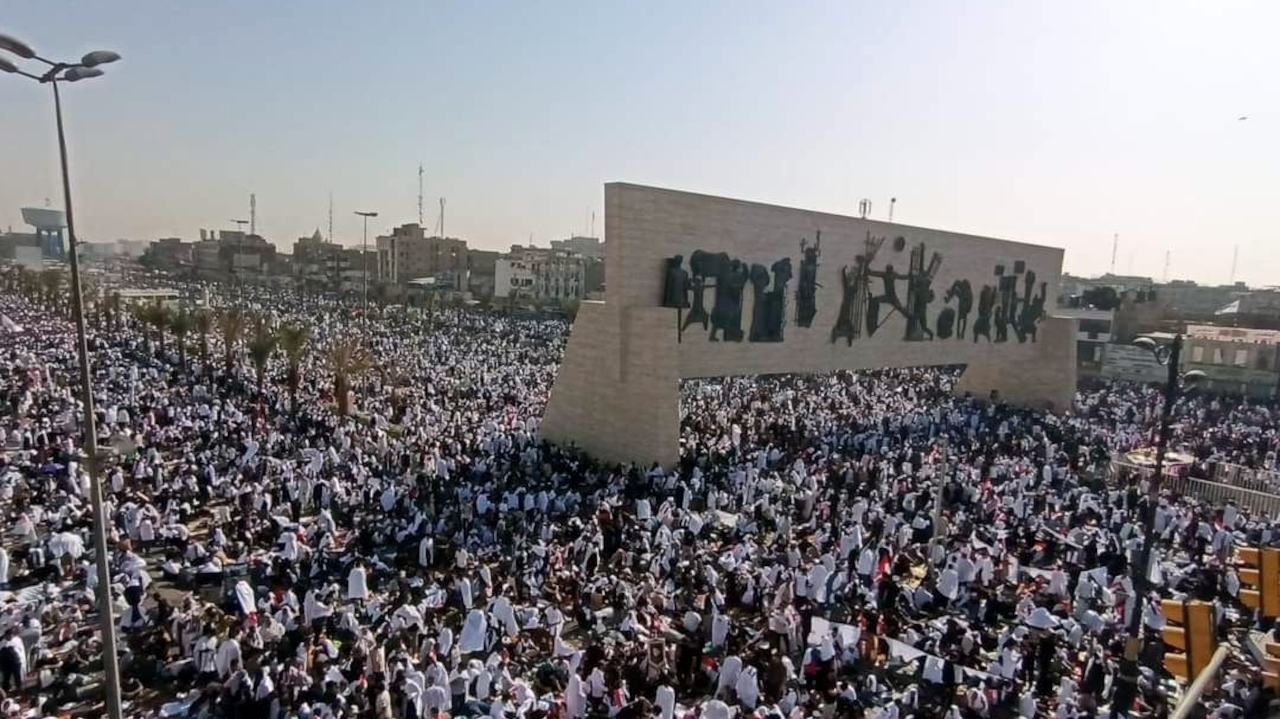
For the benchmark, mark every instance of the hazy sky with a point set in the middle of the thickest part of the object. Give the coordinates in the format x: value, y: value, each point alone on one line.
x: 1051, y: 122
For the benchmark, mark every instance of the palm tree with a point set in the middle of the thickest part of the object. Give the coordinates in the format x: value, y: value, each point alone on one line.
x: 180, y: 324
x: 51, y: 282
x: 293, y: 341
x: 232, y: 324
x: 203, y: 324
x: 261, y: 346
x: 114, y: 303
x: 158, y: 316
x: 346, y: 358
x: 31, y: 284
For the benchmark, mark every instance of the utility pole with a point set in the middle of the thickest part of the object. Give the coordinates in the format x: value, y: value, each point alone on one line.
x: 421, y: 215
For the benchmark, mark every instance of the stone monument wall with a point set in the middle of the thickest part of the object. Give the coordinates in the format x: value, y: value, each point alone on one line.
x: 702, y: 286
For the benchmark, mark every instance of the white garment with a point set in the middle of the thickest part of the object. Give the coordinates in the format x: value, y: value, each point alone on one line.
x: 504, y: 614
x: 474, y: 630
x: 729, y: 672
x: 228, y: 652
x: 666, y: 701
x: 575, y: 700
x: 719, y: 630
x: 356, y: 586
x: 748, y: 688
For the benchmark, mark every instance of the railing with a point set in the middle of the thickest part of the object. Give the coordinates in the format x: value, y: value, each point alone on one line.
x: 1190, y: 701
x: 1258, y: 480
x: 1217, y: 494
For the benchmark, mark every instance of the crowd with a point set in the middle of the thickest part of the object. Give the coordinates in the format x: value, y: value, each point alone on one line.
x: 848, y: 545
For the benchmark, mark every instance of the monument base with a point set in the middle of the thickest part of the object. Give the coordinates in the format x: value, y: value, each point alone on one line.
x: 617, y: 393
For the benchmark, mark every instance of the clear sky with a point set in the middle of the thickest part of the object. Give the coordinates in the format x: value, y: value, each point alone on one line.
x: 1051, y: 122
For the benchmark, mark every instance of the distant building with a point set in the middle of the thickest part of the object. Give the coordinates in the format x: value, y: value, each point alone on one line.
x: 513, y: 277
x: 232, y: 255
x: 1189, y: 299
x: 96, y: 250
x: 1235, y: 360
x: 409, y: 253
x: 11, y: 241
x: 483, y: 266
x: 1093, y: 332
x: 1257, y: 303
x: 1073, y: 286
x: 318, y: 264
x: 49, y: 225
x: 589, y: 247
x: 169, y: 253
x: 550, y: 275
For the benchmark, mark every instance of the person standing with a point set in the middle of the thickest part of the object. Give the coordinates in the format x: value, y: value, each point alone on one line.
x: 12, y: 662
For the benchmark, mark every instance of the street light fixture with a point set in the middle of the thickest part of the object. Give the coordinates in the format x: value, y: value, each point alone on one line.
x: 74, y: 72
x: 1177, y: 383
x: 364, y: 263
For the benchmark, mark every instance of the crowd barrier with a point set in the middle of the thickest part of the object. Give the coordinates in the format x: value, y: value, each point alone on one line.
x: 1258, y: 480
x: 1218, y: 494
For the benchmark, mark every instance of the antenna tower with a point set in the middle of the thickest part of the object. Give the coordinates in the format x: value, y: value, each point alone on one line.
x: 1235, y: 255
x: 253, y: 214
x: 1166, y: 266
x: 1115, y: 245
x: 421, y: 216
x: 331, y: 217
x: 440, y: 221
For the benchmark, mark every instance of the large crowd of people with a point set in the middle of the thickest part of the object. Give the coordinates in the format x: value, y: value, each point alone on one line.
x: 858, y: 544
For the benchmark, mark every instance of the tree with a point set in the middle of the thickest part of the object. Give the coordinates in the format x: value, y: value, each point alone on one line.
x: 181, y: 324
x: 203, y: 325
x: 232, y: 324
x: 114, y: 303
x: 158, y: 315
x: 346, y: 358
x: 51, y: 283
x: 293, y: 342
x: 30, y: 281
x: 152, y: 316
x: 261, y: 346
x: 1103, y: 298
x: 571, y: 308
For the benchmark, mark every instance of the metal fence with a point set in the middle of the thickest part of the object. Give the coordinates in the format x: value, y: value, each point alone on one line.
x: 1218, y: 494
x: 1258, y: 480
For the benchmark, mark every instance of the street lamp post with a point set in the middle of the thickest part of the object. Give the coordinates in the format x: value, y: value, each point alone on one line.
x: 74, y: 72
x: 364, y: 263
x: 1176, y: 384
